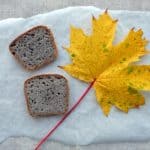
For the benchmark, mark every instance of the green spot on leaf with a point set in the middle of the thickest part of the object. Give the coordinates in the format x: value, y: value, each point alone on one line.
x: 105, y: 50
x: 104, y: 45
x: 130, y: 84
x: 124, y: 59
x: 130, y: 70
x: 140, y: 87
x: 109, y: 101
x: 132, y: 90
x: 127, y: 45
x: 72, y: 55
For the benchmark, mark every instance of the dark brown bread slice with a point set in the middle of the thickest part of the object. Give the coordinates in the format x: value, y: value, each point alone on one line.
x: 46, y: 95
x: 34, y: 48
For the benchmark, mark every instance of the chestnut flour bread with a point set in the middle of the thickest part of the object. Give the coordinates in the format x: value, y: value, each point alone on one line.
x: 46, y: 94
x: 34, y: 48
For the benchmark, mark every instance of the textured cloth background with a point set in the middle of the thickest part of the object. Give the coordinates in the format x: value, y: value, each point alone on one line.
x: 26, y: 8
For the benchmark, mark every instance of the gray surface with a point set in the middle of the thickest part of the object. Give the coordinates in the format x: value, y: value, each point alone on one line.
x: 26, y: 8
x: 23, y: 142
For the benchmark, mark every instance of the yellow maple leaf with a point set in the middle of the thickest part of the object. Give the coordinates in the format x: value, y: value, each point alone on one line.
x: 95, y: 58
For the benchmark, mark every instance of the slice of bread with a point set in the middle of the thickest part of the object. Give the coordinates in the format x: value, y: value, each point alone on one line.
x: 34, y: 48
x: 46, y: 95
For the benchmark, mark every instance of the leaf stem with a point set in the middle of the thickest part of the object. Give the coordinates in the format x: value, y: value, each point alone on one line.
x: 64, y: 117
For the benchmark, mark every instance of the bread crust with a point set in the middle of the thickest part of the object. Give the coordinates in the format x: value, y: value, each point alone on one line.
x: 45, y: 114
x: 48, y: 61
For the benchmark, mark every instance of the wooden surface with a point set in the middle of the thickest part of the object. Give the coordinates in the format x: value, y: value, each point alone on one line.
x: 26, y: 8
